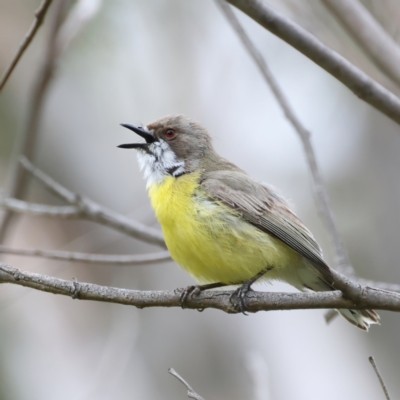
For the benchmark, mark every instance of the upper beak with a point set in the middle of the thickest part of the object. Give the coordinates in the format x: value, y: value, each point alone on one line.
x: 149, y: 138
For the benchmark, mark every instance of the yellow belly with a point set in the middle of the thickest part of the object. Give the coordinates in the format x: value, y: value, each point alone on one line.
x: 210, y: 240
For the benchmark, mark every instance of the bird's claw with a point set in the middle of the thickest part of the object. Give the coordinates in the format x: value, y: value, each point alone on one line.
x: 238, y: 298
x: 187, y: 293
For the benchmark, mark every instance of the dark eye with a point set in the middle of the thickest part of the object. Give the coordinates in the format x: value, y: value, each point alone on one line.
x: 170, y: 133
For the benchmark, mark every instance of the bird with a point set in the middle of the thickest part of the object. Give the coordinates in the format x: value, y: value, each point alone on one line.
x: 220, y: 225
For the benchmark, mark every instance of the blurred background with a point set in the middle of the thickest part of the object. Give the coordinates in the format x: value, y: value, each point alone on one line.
x: 135, y: 61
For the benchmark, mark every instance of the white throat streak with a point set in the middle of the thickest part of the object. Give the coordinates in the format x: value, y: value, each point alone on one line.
x: 158, y: 162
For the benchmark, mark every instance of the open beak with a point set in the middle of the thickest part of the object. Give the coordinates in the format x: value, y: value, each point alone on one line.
x: 149, y: 138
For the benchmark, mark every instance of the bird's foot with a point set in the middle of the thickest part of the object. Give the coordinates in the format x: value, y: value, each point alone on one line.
x: 238, y: 297
x: 187, y: 293
x: 195, y: 290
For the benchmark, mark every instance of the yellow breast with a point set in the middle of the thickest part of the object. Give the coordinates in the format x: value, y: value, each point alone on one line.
x: 208, y: 239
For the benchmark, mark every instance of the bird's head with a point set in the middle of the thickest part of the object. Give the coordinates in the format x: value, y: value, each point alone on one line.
x: 174, y: 146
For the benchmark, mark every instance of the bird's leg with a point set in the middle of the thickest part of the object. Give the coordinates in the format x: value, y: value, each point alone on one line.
x: 241, y: 292
x: 196, y: 289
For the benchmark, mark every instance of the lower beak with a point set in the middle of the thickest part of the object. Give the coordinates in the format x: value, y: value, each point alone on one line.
x: 148, y: 137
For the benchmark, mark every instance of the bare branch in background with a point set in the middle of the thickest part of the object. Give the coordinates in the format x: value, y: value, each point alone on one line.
x: 381, y: 48
x: 40, y: 210
x: 322, y: 198
x: 62, y: 32
x: 81, y: 207
x: 375, y: 367
x: 391, y: 287
x: 49, y: 183
x: 356, y: 80
x: 190, y: 392
x: 18, y: 180
x: 89, y: 210
x: 368, y: 298
x: 137, y: 259
x: 40, y: 14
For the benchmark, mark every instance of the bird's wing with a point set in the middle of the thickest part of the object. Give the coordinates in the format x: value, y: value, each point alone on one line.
x: 263, y: 208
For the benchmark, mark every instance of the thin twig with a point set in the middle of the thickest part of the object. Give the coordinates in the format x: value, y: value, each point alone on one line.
x: 41, y: 87
x: 62, y: 32
x: 89, y: 210
x: 83, y: 207
x: 381, y: 48
x: 371, y: 298
x: 49, y: 183
x: 40, y: 14
x: 137, y: 259
x: 375, y: 367
x: 190, y: 392
x: 322, y: 198
x: 356, y: 80
x: 391, y: 287
x: 40, y: 210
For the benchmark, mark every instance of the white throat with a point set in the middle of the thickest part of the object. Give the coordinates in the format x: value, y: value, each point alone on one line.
x: 159, y: 162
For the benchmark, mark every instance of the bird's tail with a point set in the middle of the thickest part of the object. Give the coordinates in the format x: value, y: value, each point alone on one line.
x: 360, y: 318
x: 318, y: 279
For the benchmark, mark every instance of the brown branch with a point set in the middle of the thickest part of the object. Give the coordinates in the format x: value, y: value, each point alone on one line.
x: 137, y: 259
x: 40, y: 14
x: 190, y: 392
x: 256, y: 301
x: 381, y: 48
x: 375, y: 367
x: 356, y: 80
x: 322, y: 198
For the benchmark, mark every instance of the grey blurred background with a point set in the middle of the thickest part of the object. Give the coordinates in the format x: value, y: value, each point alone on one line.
x: 139, y: 60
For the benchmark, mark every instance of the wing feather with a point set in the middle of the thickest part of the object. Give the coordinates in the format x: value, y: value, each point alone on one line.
x: 263, y: 208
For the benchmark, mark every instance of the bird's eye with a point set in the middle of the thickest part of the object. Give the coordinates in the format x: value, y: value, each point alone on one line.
x: 170, y: 133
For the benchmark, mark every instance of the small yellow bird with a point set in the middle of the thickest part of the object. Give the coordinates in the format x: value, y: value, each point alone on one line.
x: 219, y: 224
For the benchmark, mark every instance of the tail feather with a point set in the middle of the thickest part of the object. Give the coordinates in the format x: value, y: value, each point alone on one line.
x: 319, y: 280
x: 363, y: 319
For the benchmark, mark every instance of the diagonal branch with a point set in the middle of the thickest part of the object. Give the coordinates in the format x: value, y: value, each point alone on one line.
x: 63, y: 30
x: 356, y: 80
x: 49, y: 183
x: 381, y: 381
x: 40, y: 14
x: 18, y: 180
x: 256, y: 301
x: 381, y: 48
x: 81, y: 207
x: 40, y: 210
x: 137, y: 259
x: 322, y: 198
x: 190, y: 392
